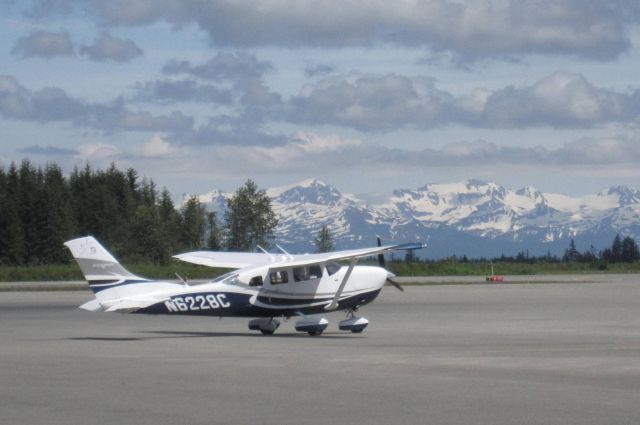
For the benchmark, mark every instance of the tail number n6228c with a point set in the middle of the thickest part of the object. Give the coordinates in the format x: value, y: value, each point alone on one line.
x: 197, y: 302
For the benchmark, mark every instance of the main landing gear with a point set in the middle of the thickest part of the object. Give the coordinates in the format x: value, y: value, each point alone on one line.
x: 266, y: 326
x: 311, y: 325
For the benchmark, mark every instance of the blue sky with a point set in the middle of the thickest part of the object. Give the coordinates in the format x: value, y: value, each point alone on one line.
x: 366, y: 95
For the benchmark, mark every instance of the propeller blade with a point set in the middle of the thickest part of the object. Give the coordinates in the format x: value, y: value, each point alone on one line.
x: 396, y: 284
x: 381, y: 261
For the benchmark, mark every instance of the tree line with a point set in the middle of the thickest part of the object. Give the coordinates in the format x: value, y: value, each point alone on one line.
x: 40, y: 208
x: 622, y: 250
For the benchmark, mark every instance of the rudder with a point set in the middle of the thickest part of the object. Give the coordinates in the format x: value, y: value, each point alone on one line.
x: 101, y: 270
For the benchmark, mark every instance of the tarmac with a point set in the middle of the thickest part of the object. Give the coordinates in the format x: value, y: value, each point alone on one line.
x: 490, y: 354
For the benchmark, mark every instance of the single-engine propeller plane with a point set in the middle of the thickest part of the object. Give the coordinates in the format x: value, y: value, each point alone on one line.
x: 263, y: 286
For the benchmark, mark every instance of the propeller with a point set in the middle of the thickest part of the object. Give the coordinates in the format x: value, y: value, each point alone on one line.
x: 382, y: 264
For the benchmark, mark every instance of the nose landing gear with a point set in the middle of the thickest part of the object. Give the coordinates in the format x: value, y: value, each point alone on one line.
x: 352, y: 323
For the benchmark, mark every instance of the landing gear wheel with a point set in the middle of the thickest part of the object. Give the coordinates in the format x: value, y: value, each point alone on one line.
x: 353, y: 324
x: 314, y: 333
x: 266, y: 332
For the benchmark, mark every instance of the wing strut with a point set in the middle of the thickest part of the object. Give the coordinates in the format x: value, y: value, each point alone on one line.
x: 336, y: 297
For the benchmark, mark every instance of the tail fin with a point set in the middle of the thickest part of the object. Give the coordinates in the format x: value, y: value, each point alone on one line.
x: 101, y: 270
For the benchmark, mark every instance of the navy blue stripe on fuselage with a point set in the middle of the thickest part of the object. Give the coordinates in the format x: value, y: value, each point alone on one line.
x: 231, y: 304
x: 100, y: 285
x: 277, y: 301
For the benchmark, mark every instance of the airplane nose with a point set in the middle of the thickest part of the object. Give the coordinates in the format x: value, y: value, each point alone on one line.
x: 382, y: 276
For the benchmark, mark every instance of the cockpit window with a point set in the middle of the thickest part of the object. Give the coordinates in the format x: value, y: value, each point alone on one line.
x: 333, y: 267
x: 315, y: 272
x: 278, y: 277
x: 300, y: 274
x: 307, y: 273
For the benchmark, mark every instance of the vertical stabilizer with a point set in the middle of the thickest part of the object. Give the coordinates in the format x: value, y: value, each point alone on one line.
x: 101, y: 270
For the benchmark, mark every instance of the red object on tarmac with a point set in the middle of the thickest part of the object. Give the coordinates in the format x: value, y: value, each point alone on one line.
x: 495, y: 278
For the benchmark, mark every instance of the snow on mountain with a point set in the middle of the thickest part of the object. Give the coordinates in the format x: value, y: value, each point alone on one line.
x: 470, y: 217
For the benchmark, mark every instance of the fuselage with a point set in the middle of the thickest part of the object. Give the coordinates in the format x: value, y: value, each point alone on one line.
x: 265, y: 292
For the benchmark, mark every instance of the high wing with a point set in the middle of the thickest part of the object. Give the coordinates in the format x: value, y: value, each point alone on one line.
x: 229, y: 260
x: 236, y: 260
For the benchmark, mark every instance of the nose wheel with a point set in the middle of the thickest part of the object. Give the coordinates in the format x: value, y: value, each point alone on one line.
x: 353, y: 323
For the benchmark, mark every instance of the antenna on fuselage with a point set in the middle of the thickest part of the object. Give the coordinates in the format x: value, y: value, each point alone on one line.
x: 184, y: 281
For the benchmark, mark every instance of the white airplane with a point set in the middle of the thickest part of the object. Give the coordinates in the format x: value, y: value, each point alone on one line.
x: 264, y: 286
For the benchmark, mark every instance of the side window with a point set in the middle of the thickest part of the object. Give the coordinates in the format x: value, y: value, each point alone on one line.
x: 300, y: 274
x: 332, y: 268
x: 315, y: 272
x: 278, y: 277
x: 256, y: 281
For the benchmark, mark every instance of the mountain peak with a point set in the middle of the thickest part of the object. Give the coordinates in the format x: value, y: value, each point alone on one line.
x: 476, y: 183
x: 471, y: 215
x: 307, y: 191
x: 312, y: 182
x: 626, y: 195
x: 531, y: 193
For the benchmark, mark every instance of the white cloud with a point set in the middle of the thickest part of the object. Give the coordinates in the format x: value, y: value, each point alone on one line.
x: 389, y: 102
x: 98, y: 151
x: 108, y: 47
x: 156, y: 147
x: 44, y: 44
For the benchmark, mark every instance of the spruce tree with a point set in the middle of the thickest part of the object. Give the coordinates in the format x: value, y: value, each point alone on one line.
x: 193, y: 224
x: 571, y: 254
x: 324, y: 240
x: 52, y: 217
x: 169, y: 221
x: 249, y: 219
x: 629, y: 251
x: 616, y: 249
x: 214, y: 237
x: 11, y: 241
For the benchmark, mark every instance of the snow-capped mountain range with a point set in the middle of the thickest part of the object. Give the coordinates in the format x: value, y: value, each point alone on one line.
x: 473, y: 217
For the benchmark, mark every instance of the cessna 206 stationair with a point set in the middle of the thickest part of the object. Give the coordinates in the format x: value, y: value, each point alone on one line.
x: 263, y: 286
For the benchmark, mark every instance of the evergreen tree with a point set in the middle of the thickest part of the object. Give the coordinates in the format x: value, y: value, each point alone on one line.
x: 571, y: 254
x: 193, y: 224
x: 616, y: 249
x: 214, y: 234
x: 52, y: 217
x: 10, y: 226
x: 249, y: 219
x: 410, y: 256
x: 146, y: 231
x: 324, y: 240
x: 629, y: 251
x: 169, y: 221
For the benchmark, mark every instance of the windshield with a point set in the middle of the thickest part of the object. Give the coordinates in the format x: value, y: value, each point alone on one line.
x: 227, y: 277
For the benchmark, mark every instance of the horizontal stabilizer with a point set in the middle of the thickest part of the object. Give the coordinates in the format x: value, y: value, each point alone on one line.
x: 130, y: 305
x: 92, y: 305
